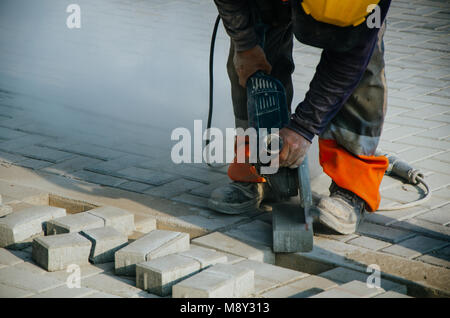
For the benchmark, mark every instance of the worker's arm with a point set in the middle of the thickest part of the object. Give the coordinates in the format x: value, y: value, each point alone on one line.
x: 336, y: 77
x: 236, y: 18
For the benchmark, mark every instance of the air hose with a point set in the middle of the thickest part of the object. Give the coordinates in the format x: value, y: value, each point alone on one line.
x: 397, y: 167
x: 406, y: 172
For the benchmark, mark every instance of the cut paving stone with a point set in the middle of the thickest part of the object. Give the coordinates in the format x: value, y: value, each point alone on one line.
x: 24, y: 224
x: 159, y: 275
x: 269, y: 276
x: 227, y: 244
x: 56, y: 252
x: 105, y: 242
x: 5, y: 210
x: 155, y: 244
x: 35, y: 283
x: 121, y: 220
x: 415, y: 247
x: 302, y: 288
x: 13, y: 292
x: 74, y: 223
x: 218, y: 281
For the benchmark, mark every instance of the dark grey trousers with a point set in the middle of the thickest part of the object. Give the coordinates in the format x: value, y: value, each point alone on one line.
x: 357, y: 126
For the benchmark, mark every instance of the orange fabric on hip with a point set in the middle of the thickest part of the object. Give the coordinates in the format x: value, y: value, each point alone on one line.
x: 361, y: 175
x: 243, y: 172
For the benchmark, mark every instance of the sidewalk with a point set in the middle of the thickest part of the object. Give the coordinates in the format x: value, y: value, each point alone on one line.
x: 103, y: 160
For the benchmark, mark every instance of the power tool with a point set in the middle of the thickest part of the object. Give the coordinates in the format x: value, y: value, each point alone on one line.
x: 267, y: 108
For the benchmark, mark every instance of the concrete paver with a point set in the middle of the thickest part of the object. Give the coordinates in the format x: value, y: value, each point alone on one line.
x: 155, y: 244
x: 218, y: 281
x: 56, y: 252
x: 105, y: 242
x: 19, y: 226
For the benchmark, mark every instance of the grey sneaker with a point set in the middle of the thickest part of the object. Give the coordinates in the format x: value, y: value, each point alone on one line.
x: 237, y: 197
x: 342, y: 211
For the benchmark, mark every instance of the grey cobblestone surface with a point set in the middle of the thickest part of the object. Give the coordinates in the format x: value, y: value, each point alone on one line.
x: 417, y: 129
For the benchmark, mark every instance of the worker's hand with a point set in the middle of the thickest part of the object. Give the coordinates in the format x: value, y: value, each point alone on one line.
x: 249, y: 62
x: 294, y: 150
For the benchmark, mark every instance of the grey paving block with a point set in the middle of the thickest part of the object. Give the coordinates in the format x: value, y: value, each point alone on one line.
x: 71, y: 165
x: 28, y: 281
x: 335, y: 293
x: 98, y: 178
x: 173, y: 188
x: 134, y: 186
x: 392, y: 294
x: 9, y: 258
x: 228, y: 244
x: 383, y: 232
x: 155, y: 244
x: 21, y: 225
x: 159, y: 275
x: 415, y: 247
x: 85, y: 271
x: 121, y: 220
x: 218, y: 281
x: 423, y: 227
x: 74, y: 223
x: 144, y: 224
x: 101, y: 295
x: 105, y: 242
x: 360, y: 289
x: 151, y: 177
x: 343, y: 275
x: 112, y: 285
x: 257, y: 232
x: 205, y: 256
x: 268, y: 276
x: 5, y: 210
x: 65, y: 292
x: 56, y: 252
x: 43, y: 153
x: 302, y: 288
x: 369, y: 243
x: 33, y: 164
x: 13, y: 292
x: 439, y: 216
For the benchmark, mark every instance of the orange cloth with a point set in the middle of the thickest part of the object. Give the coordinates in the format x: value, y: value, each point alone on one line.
x: 243, y: 172
x: 361, y: 175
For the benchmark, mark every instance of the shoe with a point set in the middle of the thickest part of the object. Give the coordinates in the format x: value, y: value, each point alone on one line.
x: 342, y: 211
x: 237, y: 197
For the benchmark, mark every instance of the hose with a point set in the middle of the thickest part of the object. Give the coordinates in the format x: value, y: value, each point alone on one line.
x: 403, y: 170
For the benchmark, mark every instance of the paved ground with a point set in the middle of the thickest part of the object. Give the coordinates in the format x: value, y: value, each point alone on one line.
x: 53, y: 121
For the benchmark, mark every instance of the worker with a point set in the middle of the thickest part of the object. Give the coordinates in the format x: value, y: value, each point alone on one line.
x: 345, y: 105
